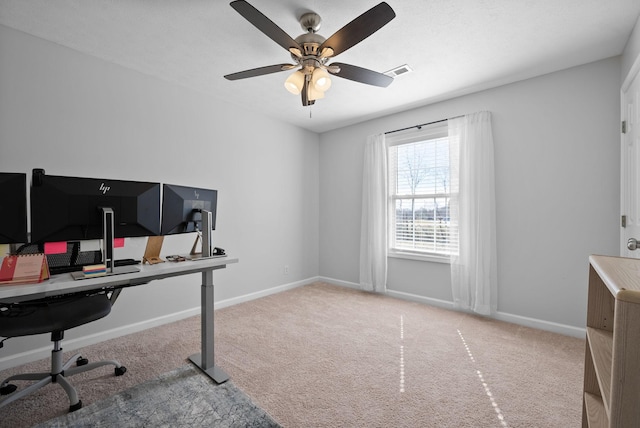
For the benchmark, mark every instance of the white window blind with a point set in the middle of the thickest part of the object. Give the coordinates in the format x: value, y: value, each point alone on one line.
x: 420, y: 193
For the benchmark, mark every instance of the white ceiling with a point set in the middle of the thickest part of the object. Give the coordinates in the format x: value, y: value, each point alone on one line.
x: 454, y: 46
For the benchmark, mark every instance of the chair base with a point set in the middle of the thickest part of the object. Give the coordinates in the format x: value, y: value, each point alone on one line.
x: 59, y: 374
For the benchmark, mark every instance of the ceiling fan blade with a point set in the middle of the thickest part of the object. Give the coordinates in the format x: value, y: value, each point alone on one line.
x: 259, y: 71
x: 264, y: 24
x: 359, y: 29
x: 362, y: 75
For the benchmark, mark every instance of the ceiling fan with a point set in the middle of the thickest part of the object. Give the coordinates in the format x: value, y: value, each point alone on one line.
x: 311, y: 52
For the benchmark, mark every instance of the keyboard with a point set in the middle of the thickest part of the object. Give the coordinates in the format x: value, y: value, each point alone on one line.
x: 126, y: 262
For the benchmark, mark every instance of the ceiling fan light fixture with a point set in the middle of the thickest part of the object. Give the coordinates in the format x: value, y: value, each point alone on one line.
x: 313, y: 93
x: 295, y: 82
x: 326, y: 53
x: 320, y: 79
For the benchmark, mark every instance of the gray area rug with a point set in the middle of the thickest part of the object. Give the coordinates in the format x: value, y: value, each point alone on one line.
x: 182, y: 398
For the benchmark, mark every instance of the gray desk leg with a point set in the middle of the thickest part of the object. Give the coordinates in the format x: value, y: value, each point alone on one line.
x: 205, y: 360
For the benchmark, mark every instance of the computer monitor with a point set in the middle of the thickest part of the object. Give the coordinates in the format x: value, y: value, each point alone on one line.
x: 13, y: 208
x: 72, y: 208
x: 182, y: 208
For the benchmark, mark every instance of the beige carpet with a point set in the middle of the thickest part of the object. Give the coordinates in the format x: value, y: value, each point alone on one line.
x: 326, y: 356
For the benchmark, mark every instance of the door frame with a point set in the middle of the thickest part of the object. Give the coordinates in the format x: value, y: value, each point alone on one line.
x: 634, y: 72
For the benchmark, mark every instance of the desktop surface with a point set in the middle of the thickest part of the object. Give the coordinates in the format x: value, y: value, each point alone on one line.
x: 64, y: 283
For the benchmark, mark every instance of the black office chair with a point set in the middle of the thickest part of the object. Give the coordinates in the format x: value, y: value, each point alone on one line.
x: 53, y: 315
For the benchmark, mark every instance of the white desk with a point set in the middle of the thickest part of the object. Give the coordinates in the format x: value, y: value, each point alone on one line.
x: 65, y: 284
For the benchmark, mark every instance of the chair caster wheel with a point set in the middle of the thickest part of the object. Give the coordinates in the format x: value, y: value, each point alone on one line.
x: 80, y: 361
x: 76, y: 406
x: 8, y: 389
x: 119, y: 371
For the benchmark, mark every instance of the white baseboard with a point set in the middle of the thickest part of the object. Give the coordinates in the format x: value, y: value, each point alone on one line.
x: 80, y: 342
x: 567, y: 330
x: 263, y: 293
x: 564, y: 329
x: 420, y: 299
x: 393, y: 293
x: 333, y: 281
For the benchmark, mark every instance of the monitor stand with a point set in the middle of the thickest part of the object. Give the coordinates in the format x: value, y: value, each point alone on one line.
x: 204, y: 237
x: 108, y: 235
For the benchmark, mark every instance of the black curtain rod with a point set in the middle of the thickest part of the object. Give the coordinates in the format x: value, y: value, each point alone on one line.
x: 419, y: 126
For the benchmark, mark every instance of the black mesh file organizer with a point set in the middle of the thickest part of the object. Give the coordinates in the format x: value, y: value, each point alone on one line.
x: 71, y: 261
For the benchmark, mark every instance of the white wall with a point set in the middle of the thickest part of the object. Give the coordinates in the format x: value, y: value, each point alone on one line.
x: 557, y: 171
x: 631, y: 53
x: 73, y: 114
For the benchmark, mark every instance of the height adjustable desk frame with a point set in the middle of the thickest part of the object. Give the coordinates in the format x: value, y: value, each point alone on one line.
x: 65, y: 284
x: 205, y: 360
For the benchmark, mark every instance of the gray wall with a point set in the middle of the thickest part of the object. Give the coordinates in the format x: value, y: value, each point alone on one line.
x: 73, y: 114
x: 557, y: 189
x: 631, y: 53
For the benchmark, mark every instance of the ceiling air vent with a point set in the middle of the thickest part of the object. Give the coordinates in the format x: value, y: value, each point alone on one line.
x: 395, y: 72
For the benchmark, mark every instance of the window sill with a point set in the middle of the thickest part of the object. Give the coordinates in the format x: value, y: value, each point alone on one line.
x: 419, y: 256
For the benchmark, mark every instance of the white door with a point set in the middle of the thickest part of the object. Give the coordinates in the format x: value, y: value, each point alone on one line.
x: 630, y: 158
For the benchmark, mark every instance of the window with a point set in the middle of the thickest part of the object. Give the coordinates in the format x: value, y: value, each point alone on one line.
x: 420, y: 194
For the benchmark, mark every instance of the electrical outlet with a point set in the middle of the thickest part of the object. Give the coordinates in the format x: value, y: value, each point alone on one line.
x: 285, y: 270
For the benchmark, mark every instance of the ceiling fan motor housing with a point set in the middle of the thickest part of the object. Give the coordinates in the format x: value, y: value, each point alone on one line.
x: 310, y: 43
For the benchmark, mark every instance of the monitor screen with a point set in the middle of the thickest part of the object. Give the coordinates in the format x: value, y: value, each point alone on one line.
x: 182, y: 207
x: 13, y: 208
x: 70, y: 208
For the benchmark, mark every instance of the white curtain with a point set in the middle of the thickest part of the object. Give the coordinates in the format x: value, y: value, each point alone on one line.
x: 373, y: 233
x: 474, y: 269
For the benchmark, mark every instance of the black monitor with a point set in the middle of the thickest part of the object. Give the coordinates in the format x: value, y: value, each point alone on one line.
x: 13, y: 208
x: 182, y: 208
x: 71, y: 208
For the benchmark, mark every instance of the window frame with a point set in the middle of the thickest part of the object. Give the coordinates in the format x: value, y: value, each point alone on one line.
x: 425, y: 133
